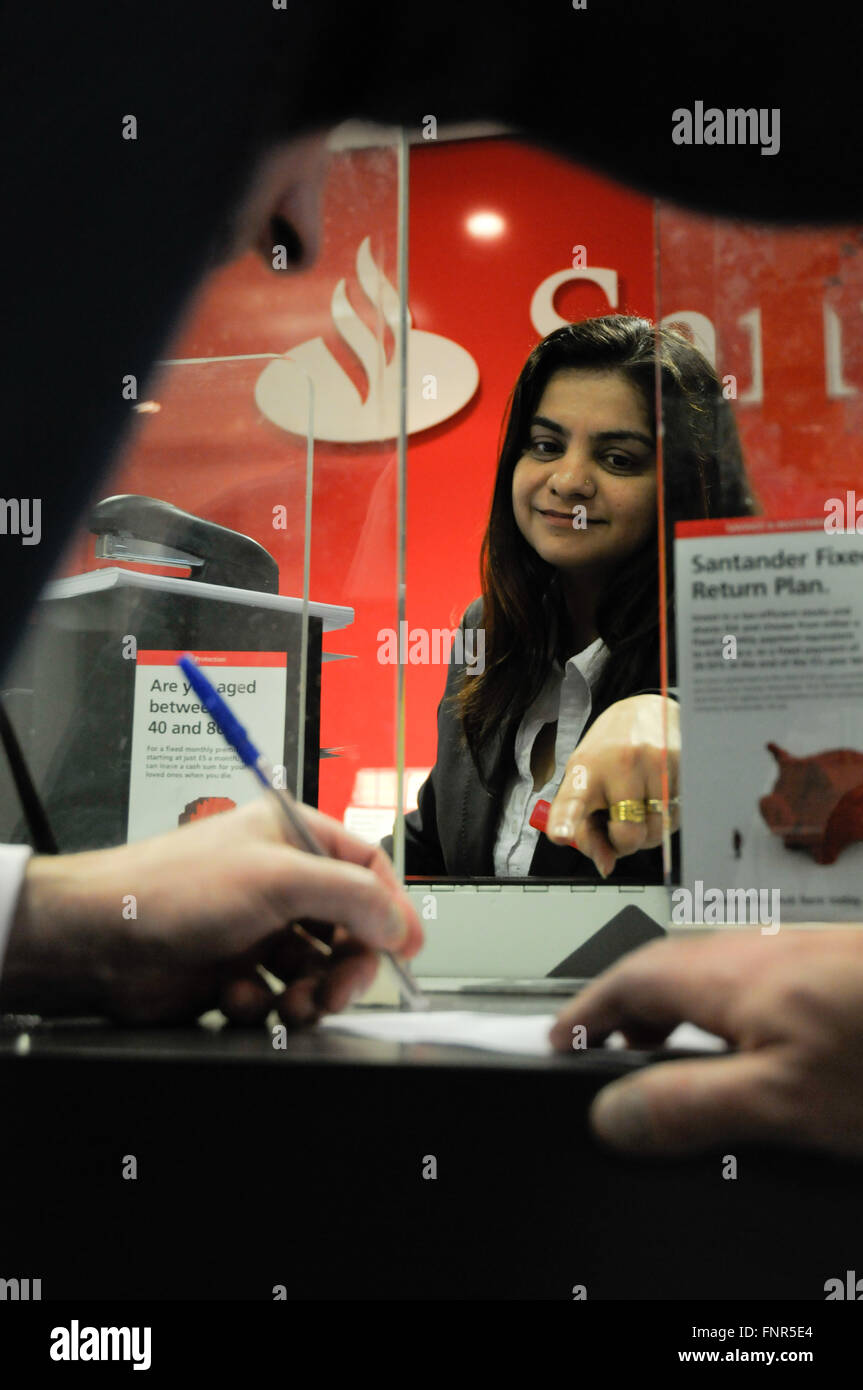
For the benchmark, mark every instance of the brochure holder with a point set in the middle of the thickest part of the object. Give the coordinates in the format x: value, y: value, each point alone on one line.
x: 101, y: 662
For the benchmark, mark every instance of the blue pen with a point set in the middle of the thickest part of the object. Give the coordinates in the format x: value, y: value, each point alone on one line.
x: 242, y: 745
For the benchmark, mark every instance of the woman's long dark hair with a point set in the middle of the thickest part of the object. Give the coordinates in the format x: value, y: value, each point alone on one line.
x: 525, y: 616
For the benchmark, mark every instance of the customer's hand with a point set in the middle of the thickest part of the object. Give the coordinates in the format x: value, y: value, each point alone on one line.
x: 620, y: 758
x: 793, y: 1006
x: 168, y: 928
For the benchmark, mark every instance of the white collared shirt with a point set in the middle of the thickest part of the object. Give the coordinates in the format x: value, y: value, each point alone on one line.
x: 565, y: 697
x: 13, y: 863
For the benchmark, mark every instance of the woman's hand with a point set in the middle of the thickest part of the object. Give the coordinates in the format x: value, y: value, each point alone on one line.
x: 168, y: 928
x: 620, y: 758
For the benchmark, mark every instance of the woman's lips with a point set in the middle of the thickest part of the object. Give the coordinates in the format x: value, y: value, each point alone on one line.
x: 565, y: 519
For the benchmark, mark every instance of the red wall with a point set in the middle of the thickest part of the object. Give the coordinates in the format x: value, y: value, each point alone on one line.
x: 801, y: 444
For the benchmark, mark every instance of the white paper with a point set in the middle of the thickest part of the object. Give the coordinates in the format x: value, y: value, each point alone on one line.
x: 524, y: 1034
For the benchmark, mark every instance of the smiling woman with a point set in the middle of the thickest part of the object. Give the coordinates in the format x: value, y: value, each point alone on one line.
x: 567, y: 707
x: 584, y: 490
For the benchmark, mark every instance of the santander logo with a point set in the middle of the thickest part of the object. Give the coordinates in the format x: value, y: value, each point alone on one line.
x: 442, y: 376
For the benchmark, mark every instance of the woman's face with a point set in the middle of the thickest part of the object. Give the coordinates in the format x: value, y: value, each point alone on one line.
x: 590, y: 459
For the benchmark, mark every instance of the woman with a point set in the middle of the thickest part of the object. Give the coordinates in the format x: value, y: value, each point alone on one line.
x: 567, y: 708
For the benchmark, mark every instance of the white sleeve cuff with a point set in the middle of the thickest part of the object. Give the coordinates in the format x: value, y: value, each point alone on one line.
x: 13, y: 862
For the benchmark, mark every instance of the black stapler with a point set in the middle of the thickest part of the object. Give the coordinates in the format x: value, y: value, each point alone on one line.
x: 130, y: 527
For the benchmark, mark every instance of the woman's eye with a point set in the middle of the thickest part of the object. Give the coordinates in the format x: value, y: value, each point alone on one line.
x: 620, y: 462
x: 544, y: 447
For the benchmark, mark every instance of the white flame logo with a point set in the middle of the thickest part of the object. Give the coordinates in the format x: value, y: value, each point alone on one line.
x: 442, y: 376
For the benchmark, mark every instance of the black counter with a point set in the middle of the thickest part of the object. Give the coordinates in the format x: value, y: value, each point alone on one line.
x: 303, y: 1167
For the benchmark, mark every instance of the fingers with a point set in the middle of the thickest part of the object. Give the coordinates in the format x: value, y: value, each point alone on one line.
x: 624, y: 774
x: 296, y: 1005
x: 329, y: 988
x: 683, y: 1107
x: 621, y: 758
x: 577, y: 813
x: 290, y: 952
x: 687, y: 1107
x: 795, y: 1078
x: 591, y: 837
x: 342, y: 846
x: 635, y: 776
x: 576, y: 799
x: 582, y: 821
x: 332, y: 891
x: 315, y: 985
x: 650, y: 991
x: 246, y: 999
x: 352, y: 973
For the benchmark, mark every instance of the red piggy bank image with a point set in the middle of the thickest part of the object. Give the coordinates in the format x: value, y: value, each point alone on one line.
x: 817, y: 802
x: 205, y: 806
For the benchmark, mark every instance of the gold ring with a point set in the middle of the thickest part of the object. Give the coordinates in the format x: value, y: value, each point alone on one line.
x: 654, y: 805
x: 628, y: 811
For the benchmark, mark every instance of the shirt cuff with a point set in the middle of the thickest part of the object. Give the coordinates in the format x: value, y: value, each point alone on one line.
x: 13, y: 862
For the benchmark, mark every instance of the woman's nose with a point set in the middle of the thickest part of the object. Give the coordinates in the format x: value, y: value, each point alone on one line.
x: 573, y: 474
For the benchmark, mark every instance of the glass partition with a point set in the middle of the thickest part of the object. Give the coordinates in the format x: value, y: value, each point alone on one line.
x: 748, y: 620
x: 350, y: 347
x: 495, y: 270
x: 253, y: 523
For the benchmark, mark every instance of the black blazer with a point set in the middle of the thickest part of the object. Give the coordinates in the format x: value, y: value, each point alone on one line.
x: 452, y: 832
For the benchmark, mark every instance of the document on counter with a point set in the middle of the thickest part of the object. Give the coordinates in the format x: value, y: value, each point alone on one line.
x: 524, y: 1034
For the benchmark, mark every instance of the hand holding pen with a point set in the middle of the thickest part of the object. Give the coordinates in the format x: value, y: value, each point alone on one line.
x: 292, y: 816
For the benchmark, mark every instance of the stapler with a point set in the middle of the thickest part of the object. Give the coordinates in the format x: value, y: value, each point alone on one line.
x: 143, y: 529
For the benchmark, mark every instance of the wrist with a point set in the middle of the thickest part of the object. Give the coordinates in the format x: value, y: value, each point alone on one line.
x: 55, y: 958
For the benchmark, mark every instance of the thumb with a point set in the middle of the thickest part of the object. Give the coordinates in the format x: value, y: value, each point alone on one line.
x: 688, y: 1107
x: 332, y: 890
